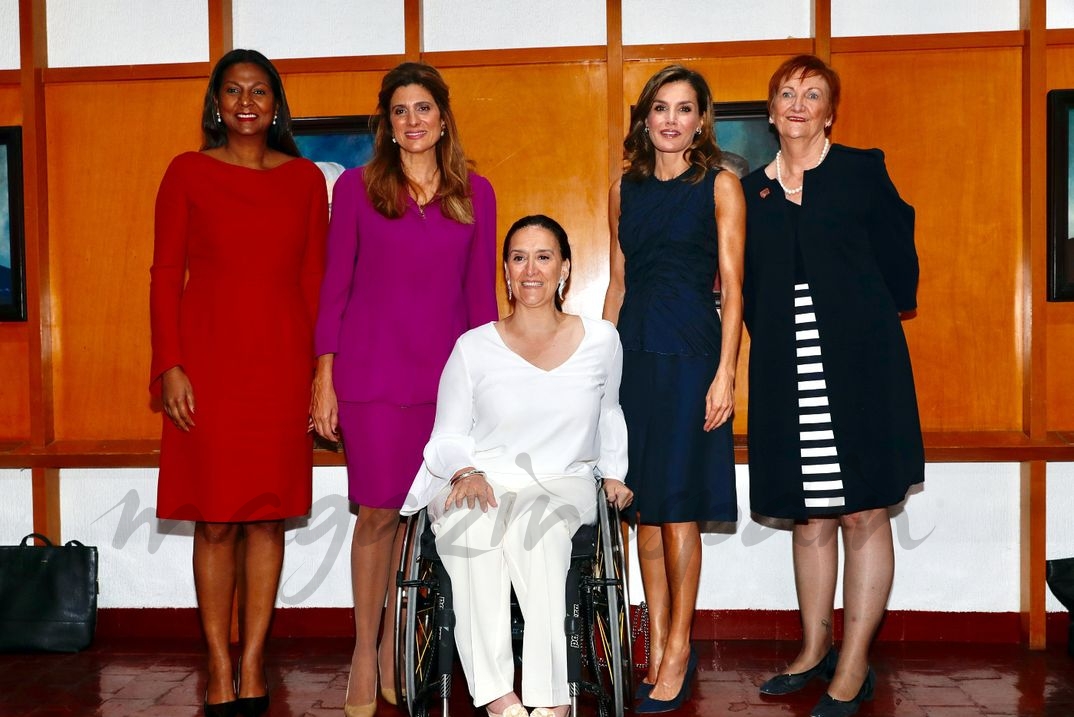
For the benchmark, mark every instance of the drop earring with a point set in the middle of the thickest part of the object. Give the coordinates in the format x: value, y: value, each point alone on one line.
x: 275, y: 117
x: 562, y: 283
x: 219, y: 119
x: 510, y: 296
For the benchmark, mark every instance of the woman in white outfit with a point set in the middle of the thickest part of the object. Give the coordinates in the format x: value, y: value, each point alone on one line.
x: 528, y: 408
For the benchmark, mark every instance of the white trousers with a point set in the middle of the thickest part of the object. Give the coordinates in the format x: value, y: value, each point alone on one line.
x: 525, y: 542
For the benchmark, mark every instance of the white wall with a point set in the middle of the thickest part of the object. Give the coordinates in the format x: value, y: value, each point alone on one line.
x: 145, y: 562
x: 9, y: 34
x: 852, y: 18
x: 319, y: 28
x: 16, y: 506
x: 646, y: 22
x: 120, y: 32
x: 482, y: 25
x: 956, y: 542
x: 126, y: 32
x: 1060, y: 14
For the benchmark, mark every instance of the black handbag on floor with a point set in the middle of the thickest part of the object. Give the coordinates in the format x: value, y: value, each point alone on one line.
x: 48, y: 596
x: 1060, y: 576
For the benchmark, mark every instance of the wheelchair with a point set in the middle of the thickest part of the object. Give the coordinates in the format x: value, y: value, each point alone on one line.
x: 597, y: 628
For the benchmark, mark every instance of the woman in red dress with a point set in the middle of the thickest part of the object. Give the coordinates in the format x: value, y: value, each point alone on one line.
x: 237, y: 265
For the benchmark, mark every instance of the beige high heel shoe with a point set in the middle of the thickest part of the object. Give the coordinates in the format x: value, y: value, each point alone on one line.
x: 515, y: 710
x: 360, y: 710
x: 545, y: 712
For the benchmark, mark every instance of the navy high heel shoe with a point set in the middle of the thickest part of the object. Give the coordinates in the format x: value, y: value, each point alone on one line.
x: 831, y: 707
x: 642, y: 690
x: 650, y: 706
x: 787, y: 683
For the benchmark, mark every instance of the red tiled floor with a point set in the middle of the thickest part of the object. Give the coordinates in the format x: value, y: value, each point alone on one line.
x: 308, y: 679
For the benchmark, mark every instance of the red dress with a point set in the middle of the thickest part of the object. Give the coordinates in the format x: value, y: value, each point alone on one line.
x: 250, y: 246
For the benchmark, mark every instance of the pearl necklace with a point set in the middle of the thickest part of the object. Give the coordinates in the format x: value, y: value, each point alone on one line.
x: 779, y: 168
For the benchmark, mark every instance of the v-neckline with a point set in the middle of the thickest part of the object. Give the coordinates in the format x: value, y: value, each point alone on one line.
x: 523, y: 359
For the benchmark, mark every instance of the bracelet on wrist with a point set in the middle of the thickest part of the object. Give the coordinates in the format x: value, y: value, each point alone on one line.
x: 467, y: 474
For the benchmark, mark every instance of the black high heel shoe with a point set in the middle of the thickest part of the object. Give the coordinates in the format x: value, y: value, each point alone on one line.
x: 221, y: 709
x: 831, y: 707
x: 253, y: 706
x: 786, y: 683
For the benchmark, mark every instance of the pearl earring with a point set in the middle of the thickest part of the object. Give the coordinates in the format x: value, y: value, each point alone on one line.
x: 275, y: 117
x: 219, y: 119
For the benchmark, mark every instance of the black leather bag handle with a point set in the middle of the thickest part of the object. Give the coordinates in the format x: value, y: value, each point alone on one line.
x: 25, y: 541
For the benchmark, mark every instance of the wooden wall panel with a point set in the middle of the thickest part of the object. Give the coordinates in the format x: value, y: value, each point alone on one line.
x: 1060, y: 316
x: 109, y: 144
x: 15, y: 386
x: 537, y: 133
x: 14, y: 342
x: 950, y: 124
x: 319, y: 94
x: 10, y: 104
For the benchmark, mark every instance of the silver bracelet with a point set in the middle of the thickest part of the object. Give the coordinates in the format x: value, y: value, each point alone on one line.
x: 467, y: 474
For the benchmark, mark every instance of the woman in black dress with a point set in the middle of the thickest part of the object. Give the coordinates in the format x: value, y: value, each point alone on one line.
x: 834, y: 433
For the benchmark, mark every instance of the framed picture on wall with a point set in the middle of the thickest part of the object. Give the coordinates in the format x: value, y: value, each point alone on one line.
x: 744, y: 135
x: 12, y: 247
x: 746, y: 140
x: 1060, y: 195
x: 335, y: 143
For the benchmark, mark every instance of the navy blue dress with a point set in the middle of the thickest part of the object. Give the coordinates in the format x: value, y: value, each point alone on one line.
x: 671, y: 348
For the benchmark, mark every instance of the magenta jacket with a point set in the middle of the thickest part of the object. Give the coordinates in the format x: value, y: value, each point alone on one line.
x: 397, y: 293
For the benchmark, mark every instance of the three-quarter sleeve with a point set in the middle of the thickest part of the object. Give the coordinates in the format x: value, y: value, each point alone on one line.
x: 313, y: 259
x: 340, y: 255
x: 451, y: 445
x: 892, y: 239
x: 168, y: 273
x: 612, y: 463
x: 481, y: 268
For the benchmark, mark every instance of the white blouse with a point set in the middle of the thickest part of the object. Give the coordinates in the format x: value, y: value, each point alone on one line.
x: 515, y: 421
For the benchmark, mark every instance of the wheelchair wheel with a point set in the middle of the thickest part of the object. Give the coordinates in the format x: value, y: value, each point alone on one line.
x: 611, y: 649
x: 419, y: 614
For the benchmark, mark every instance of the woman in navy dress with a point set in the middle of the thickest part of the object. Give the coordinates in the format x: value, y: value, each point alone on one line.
x: 676, y: 219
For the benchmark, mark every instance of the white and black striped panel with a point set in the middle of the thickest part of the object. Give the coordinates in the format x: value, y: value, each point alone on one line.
x: 822, y: 482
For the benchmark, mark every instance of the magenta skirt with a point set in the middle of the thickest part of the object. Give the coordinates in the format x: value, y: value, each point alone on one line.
x: 383, y: 444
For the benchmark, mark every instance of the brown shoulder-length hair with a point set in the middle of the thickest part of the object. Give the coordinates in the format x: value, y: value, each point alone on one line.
x: 802, y: 66
x: 385, y: 181
x: 639, y: 155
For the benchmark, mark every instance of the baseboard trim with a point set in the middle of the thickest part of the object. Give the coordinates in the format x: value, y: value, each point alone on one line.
x: 898, y: 625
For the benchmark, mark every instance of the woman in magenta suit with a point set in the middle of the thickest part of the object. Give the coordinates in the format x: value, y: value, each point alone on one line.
x: 411, y: 266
